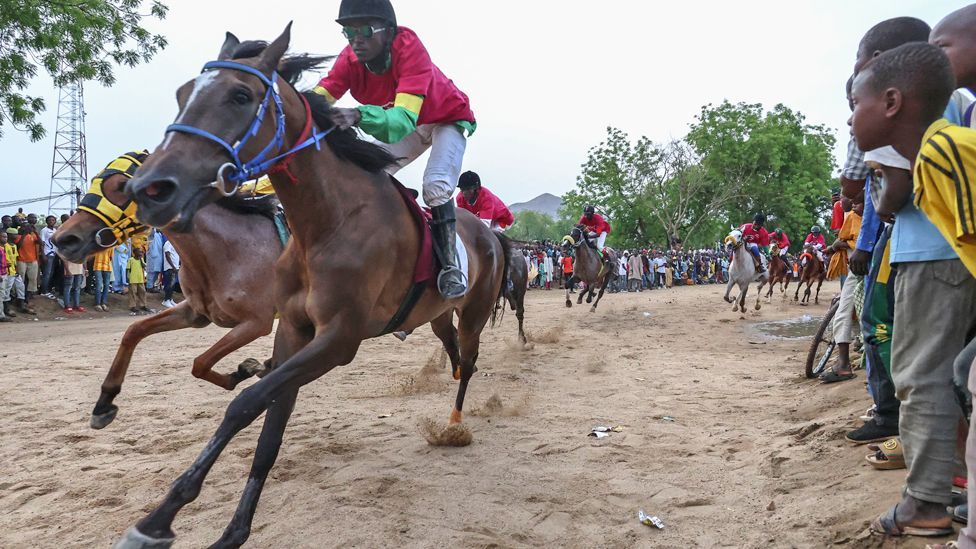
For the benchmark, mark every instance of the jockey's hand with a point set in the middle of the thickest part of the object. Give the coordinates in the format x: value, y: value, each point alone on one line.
x: 345, y: 118
x: 860, y: 262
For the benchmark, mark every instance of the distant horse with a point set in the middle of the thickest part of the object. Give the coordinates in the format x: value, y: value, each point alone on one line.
x: 223, y: 278
x: 812, y: 270
x: 588, y: 267
x: 347, y: 273
x: 518, y: 275
x: 742, y: 272
x: 779, y: 271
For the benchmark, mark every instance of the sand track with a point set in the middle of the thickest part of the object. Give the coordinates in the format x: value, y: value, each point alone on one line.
x: 754, y: 458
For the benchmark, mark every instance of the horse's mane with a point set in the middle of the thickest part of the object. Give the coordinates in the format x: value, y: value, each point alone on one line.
x: 243, y: 204
x: 346, y: 144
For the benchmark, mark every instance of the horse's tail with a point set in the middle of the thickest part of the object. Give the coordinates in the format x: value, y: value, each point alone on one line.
x: 507, y: 247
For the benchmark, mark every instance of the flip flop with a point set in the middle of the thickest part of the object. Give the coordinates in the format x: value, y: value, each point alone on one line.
x: 887, y: 456
x: 887, y: 525
x: 834, y: 377
x: 960, y: 514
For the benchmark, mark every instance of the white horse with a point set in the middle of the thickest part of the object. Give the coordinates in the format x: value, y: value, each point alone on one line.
x: 742, y: 272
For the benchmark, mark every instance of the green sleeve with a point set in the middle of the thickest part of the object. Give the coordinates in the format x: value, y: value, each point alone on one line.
x: 387, y: 125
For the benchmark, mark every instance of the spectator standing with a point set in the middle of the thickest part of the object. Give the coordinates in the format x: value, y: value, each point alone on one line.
x: 74, y: 278
x: 102, y: 271
x: 120, y: 259
x: 49, y: 259
x: 635, y: 272
x: 136, y: 273
x: 171, y: 267
x: 154, y: 261
x: 567, y: 262
x: 28, y: 250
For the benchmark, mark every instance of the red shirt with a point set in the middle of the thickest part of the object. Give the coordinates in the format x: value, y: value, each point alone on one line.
x: 819, y: 239
x: 783, y: 242
x: 595, y: 225
x: 487, y: 206
x: 567, y: 264
x: 411, y: 71
x: 837, y: 218
x: 760, y: 237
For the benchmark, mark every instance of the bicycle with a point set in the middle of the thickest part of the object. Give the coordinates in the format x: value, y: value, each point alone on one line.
x: 817, y: 359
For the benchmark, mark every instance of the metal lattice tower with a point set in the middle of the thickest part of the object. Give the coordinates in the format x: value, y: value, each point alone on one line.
x: 69, y: 167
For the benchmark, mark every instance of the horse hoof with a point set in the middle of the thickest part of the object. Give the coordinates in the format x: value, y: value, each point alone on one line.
x: 758, y: 306
x: 250, y: 367
x: 456, y: 417
x: 101, y: 421
x: 134, y: 539
x: 569, y: 304
x: 593, y: 309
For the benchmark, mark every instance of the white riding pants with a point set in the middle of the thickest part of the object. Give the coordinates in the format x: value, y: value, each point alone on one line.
x: 447, y: 144
x: 601, y: 241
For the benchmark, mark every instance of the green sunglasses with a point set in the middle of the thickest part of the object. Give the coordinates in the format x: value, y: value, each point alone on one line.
x: 366, y: 31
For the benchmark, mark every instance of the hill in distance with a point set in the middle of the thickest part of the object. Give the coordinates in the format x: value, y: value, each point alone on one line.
x: 546, y: 203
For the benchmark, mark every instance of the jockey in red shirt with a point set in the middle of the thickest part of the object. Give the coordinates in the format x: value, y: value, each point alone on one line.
x: 782, y: 241
x: 817, y: 239
x: 595, y: 223
x: 483, y: 203
x: 409, y: 104
x: 756, y: 237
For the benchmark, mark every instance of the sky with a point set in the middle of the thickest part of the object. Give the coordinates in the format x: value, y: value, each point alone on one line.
x: 545, y: 77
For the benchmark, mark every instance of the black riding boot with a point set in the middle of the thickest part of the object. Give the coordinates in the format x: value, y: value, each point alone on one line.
x: 7, y: 309
x: 449, y: 281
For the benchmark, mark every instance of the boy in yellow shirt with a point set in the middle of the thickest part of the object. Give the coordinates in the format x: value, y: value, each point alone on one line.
x: 135, y: 271
x: 899, y: 100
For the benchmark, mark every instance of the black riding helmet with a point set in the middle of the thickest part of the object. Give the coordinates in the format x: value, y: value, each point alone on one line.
x: 366, y: 9
x: 759, y: 219
x: 589, y: 210
x: 469, y: 180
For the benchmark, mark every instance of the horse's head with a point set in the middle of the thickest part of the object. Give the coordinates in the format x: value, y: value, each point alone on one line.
x: 774, y: 249
x: 733, y: 240
x: 105, y: 217
x: 575, y: 237
x: 229, y: 116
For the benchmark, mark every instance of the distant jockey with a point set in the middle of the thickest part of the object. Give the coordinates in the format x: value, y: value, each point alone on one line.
x: 782, y: 241
x: 755, y: 236
x: 595, y: 224
x: 817, y: 239
x: 483, y: 203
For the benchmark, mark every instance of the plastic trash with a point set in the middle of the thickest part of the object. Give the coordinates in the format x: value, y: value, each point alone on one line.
x: 668, y: 418
x: 648, y: 520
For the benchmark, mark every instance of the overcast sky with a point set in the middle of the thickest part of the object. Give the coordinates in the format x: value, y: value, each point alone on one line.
x: 545, y: 77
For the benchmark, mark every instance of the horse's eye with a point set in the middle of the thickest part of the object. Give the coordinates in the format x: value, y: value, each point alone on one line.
x: 241, y: 97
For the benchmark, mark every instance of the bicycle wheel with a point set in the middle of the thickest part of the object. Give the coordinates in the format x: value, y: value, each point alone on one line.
x: 823, y: 345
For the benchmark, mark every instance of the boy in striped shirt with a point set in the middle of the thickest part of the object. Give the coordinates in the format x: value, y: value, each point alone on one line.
x: 899, y: 100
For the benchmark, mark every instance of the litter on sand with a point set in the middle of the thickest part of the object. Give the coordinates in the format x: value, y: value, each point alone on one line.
x: 601, y: 431
x: 668, y: 418
x: 384, y: 416
x: 648, y: 520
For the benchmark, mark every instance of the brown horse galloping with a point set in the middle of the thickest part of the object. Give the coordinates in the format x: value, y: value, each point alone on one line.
x: 588, y: 267
x: 779, y: 271
x: 224, y: 278
x: 340, y: 279
x: 518, y: 275
x: 812, y: 271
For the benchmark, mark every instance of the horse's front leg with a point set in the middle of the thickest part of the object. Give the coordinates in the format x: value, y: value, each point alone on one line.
x: 728, y: 290
x: 762, y: 284
x: 569, y: 286
x: 175, y: 318
x: 328, y: 349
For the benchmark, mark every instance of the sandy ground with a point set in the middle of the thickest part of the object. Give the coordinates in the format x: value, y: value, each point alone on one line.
x: 755, y: 455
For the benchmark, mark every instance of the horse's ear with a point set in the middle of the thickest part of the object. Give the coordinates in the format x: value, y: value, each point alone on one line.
x: 230, y: 45
x: 268, y: 61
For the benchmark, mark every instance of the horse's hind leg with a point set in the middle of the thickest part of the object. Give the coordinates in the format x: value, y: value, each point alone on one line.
x: 816, y: 299
x: 606, y: 282
x: 520, y: 315
x: 469, y: 337
x: 759, y: 295
x: 569, y: 286
x: 265, y: 455
x: 443, y: 328
x: 176, y: 318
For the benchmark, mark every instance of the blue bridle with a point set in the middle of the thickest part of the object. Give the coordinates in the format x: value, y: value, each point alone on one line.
x: 242, y: 171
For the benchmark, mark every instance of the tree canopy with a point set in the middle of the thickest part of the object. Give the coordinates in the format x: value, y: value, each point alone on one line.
x: 72, y: 40
x: 531, y: 225
x: 737, y: 160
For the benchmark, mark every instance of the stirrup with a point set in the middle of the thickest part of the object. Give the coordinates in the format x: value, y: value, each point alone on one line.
x: 462, y: 282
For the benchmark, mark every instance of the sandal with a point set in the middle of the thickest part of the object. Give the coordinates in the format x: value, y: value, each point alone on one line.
x: 887, y: 525
x: 834, y: 377
x: 887, y: 456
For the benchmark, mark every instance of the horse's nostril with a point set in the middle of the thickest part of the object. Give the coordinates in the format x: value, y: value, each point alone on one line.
x: 67, y: 241
x: 160, y: 190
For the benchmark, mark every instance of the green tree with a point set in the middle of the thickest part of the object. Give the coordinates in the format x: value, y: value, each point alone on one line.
x: 73, y: 40
x: 531, y: 225
x: 778, y: 164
